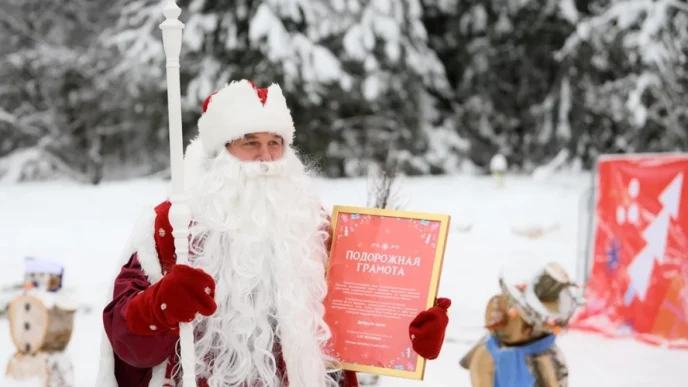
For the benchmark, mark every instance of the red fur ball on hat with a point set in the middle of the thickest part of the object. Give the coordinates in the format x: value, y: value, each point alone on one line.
x: 204, y: 107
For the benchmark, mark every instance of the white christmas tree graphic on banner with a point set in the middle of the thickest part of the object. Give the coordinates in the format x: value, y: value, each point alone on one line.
x: 655, y: 236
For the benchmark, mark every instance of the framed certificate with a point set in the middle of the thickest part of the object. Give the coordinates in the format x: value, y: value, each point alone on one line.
x: 384, y: 268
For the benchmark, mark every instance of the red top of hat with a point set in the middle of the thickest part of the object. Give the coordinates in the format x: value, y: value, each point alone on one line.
x: 262, y: 94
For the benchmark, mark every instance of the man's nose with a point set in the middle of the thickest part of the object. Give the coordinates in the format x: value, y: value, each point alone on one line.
x: 264, y: 154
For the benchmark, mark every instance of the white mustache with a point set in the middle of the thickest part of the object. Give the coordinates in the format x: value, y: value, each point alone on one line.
x: 263, y: 168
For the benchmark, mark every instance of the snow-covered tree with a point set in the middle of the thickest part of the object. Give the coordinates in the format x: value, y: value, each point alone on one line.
x: 387, y: 110
x: 264, y: 41
x: 56, y: 112
x: 138, y: 70
x: 538, y: 79
x: 417, y: 86
x: 259, y: 40
x: 355, y: 73
x: 500, y: 60
x: 626, y: 66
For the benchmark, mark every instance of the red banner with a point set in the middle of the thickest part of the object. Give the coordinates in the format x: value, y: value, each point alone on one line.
x: 638, y: 286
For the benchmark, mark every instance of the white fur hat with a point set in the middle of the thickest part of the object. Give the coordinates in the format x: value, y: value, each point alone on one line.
x: 241, y: 108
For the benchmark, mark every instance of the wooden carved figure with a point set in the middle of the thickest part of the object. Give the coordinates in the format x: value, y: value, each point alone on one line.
x: 520, y: 349
x: 41, y: 321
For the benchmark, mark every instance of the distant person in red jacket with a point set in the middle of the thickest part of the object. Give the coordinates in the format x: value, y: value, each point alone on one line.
x: 254, y: 290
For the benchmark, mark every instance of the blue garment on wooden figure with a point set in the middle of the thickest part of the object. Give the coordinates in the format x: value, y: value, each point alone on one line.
x: 511, y: 368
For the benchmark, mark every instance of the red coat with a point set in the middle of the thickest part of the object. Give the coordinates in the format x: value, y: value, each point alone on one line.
x: 135, y: 356
x: 147, y: 361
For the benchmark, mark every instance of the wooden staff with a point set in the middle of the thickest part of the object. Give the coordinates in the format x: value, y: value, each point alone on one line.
x: 180, y: 214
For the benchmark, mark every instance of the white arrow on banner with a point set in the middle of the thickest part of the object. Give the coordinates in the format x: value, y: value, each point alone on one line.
x: 655, y: 235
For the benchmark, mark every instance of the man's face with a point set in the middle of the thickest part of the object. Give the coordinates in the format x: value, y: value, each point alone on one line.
x: 261, y: 146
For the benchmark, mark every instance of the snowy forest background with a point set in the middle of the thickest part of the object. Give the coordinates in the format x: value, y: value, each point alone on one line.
x: 437, y: 86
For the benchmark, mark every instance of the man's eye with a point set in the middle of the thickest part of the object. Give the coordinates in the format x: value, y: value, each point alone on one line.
x: 275, y: 143
x: 251, y: 143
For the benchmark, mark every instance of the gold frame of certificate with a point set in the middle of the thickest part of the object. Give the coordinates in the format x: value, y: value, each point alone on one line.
x: 383, y: 269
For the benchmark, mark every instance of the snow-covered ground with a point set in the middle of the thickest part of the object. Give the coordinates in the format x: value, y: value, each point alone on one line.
x: 86, y: 227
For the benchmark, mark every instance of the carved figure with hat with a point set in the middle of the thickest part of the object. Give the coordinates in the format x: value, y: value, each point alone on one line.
x: 523, y: 323
x: 41, y: 322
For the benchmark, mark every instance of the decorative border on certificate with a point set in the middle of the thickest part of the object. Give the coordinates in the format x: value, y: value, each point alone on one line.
x: 384, y: 268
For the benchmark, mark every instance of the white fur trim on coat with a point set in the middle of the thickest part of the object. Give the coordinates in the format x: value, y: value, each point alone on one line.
x: 236, y: 110
x: 145, y: 249
x: 142, y: 242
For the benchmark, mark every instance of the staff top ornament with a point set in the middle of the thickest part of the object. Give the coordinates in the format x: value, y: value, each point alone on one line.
x: 172, y: 31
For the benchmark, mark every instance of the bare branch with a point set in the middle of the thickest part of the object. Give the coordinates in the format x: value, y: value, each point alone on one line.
x: 384, y: 187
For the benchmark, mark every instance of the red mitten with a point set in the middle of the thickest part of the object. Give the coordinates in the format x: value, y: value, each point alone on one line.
x: 176, y: 298
x: 428, y: 328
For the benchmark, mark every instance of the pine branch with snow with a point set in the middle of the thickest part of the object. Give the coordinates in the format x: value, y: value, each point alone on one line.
x: 51, y: 69
x: 628, y: 60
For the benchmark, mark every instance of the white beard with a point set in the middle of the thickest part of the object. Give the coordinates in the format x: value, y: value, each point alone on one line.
x: 259, y: 231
